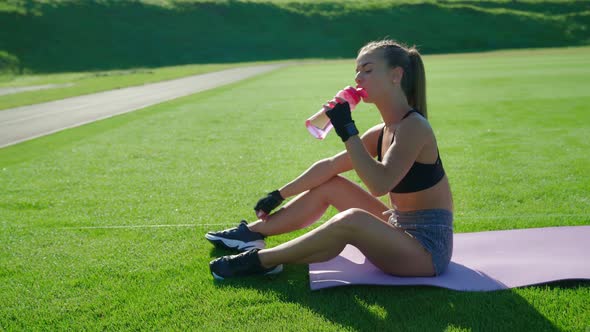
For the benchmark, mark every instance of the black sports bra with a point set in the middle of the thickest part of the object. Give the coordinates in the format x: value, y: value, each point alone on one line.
x: 420, y: 176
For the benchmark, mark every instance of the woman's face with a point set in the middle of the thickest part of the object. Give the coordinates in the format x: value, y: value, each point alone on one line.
x: 373, y: 75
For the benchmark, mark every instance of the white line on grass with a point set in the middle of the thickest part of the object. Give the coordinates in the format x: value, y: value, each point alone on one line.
x: 142, y: 226
x: 527, y: 216
x: 523, y: 216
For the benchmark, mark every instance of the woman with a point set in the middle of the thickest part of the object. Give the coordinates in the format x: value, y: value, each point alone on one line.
x: 413, y: 239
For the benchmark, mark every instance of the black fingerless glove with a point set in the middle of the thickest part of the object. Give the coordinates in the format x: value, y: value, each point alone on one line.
x: 342, y: 121
x: 270, y: 202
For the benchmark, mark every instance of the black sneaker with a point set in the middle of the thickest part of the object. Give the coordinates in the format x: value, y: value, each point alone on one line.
x: 240, y: 238
x: 244, y: 264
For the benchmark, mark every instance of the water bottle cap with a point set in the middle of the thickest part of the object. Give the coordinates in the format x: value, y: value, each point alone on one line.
x: 362, y: 92
x: 353, y: 95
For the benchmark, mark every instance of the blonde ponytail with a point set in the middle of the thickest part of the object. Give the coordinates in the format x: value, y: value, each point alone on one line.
x: 417, y: 91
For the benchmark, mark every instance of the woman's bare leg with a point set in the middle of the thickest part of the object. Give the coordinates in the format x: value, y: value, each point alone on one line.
x: 309, y: 206
x: 389, y: 248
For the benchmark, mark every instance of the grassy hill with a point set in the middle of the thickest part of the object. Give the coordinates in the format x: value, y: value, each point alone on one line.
x: 61, y: 36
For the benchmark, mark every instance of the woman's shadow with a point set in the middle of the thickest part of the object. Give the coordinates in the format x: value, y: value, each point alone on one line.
x: 421, y: 308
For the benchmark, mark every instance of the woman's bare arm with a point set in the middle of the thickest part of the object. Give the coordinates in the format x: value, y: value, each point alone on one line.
x: 325, y: 169
x: 381, y: 177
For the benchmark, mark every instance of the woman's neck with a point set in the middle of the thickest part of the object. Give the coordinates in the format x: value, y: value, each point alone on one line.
x: 393, y: 110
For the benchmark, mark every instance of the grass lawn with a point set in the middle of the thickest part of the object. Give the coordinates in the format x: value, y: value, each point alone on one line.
x: 101, y: 226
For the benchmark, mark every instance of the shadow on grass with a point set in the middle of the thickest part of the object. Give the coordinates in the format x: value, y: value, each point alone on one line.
x: 403, y: 308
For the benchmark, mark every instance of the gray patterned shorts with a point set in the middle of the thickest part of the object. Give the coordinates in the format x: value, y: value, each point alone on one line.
x: 433, y: 229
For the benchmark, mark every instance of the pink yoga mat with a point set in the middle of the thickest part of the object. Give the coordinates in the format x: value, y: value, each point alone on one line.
x: 483, y: 261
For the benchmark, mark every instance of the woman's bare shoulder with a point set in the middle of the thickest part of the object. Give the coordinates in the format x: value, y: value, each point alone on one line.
x: 414, y: 126
x: 375, y: 130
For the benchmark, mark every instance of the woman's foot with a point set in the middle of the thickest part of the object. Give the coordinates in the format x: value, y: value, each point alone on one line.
x: 239, y: 238
x: 244, y: 264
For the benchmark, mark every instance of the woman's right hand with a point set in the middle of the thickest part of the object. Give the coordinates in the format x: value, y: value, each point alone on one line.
x: 268, y: 203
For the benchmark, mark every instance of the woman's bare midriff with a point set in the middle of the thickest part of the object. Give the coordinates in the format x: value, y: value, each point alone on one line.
x: 436, y: 197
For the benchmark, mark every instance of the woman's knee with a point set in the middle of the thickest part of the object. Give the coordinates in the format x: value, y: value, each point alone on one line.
x: 331, y: 186
x: 350, y: 219
x: 333, y: 183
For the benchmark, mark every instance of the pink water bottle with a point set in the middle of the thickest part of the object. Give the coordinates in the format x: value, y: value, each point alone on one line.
x: 319, y: 124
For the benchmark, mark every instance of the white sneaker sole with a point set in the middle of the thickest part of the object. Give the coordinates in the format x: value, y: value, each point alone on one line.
x: 278, y: 269
x: 237, y: 244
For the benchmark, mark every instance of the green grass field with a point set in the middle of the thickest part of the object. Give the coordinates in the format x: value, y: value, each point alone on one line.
x: 102, y: 226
